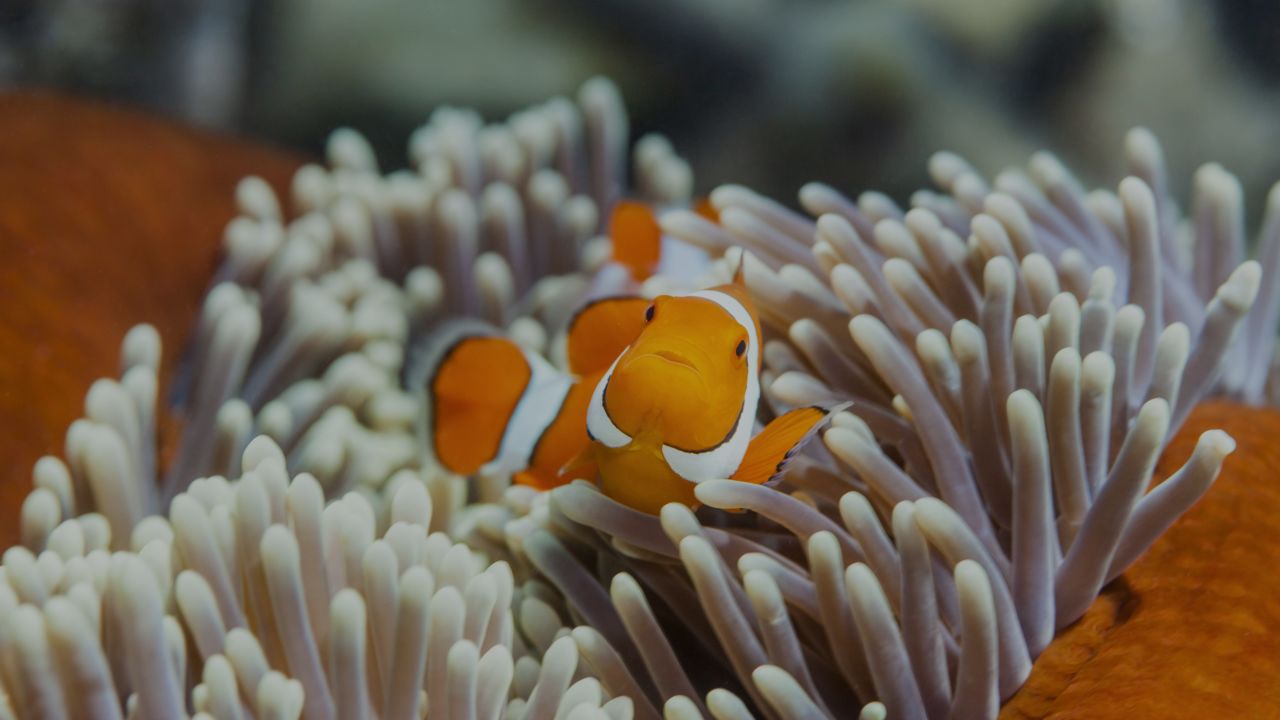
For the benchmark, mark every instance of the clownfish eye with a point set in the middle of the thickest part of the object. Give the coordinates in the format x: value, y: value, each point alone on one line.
x: 742, y: 347
x: 648, y: 314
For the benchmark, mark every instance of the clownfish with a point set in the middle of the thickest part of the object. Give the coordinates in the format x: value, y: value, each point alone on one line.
x: 658, y: 396
x: 639, y: 245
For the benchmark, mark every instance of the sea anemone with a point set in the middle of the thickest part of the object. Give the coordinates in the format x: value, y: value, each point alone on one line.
x: 1010, y: 364
x: 1043, y: 494
x: 255, y: 598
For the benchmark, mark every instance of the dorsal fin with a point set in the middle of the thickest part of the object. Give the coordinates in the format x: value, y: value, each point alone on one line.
x: 636, y: 238
x: 601, y: 330
x: 739, y: 276
x: 771, y: 450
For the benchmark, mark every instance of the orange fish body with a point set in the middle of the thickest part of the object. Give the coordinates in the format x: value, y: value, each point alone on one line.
x: 658, y: 396
x: 490, y: 400
x: 679, y: 402
x: 636, y: 238
x: 640, y: 246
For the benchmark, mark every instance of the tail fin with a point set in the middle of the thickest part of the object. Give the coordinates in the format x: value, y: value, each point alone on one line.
x: 770, y: 451
x: 472, y: 380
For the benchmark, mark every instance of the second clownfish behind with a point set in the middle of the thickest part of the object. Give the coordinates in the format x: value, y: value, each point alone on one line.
x: 658, y: 396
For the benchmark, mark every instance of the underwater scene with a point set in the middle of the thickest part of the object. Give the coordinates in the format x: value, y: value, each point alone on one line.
x: 613, y: 361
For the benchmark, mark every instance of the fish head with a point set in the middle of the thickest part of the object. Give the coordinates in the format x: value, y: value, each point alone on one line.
x: 685, y: 376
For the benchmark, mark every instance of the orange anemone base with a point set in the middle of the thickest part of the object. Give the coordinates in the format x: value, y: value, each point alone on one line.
x: 109, y: 218
x: 1192, y: 630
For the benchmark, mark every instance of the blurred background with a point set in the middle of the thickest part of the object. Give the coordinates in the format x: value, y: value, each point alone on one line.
x: 770, y: 93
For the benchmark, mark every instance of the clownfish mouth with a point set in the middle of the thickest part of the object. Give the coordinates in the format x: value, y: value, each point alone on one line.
x: 674, y: 358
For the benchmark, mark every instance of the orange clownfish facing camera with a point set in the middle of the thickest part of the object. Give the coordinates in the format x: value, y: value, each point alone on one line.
x: 658, y: 396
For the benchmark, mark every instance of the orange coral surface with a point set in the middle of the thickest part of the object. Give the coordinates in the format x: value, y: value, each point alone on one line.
x: 108, y: 218
x: 1193, y: 628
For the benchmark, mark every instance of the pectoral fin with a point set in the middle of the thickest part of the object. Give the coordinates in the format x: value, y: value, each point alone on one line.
x: 536, y: 480
x: 770, y: 451
x: 581, y: 467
